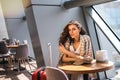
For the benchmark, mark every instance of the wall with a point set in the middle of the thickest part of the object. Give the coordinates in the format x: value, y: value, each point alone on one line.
x: 49, y: 21
x: 54, y: 21
x: 44, y: 2
x: 18, y: 29
x: 3, y: 29
x: 49, y: 17
x: 16, y: 26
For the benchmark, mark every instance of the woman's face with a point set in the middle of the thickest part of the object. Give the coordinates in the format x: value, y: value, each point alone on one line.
x: 73, y: 31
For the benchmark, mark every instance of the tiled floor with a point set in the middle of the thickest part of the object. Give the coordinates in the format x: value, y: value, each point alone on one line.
x: 7, y: 73
x: 117, y: 76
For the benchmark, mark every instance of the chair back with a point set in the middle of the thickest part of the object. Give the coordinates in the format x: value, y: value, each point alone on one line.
x: 53, y: 73
x: 22, y: 52
x: 3, y: 48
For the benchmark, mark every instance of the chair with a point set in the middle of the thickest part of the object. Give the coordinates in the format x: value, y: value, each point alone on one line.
x: 4, y: 54
x: 53, y: 73
x: 22, y: 53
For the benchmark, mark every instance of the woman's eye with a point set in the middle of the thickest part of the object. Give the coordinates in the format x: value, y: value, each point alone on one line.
x: 69, y: 30
x: 73, y: 29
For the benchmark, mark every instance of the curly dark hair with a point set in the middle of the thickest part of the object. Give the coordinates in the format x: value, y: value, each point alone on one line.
x: 65, y: 34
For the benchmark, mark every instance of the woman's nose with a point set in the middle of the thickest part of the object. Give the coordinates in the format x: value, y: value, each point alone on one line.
x: 71, y: 31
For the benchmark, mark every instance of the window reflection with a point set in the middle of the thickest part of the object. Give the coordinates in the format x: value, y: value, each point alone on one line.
x: 110, y: 13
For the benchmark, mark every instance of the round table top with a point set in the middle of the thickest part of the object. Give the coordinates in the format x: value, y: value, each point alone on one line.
x: 12, y: 46
x: 87, y: 68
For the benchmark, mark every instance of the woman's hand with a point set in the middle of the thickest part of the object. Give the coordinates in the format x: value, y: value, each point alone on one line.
x: 88, y: 58
x: 61, y: 48
x: 79, y: 60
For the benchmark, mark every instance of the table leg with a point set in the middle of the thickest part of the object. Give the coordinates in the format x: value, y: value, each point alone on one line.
x: 69, y: 76
x: 86, y: 77
x: 19, y: 67
x: 106, y: 76
x: 98, y: 77
x: 76, y: 77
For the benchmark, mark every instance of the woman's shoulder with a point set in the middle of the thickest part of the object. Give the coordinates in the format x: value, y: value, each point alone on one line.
x: 85, y: 36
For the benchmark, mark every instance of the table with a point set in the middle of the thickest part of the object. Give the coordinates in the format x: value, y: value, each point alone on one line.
x: 86, y: 68
x: 13, y: 53
x: 21, y: 55
x: 12, y: 46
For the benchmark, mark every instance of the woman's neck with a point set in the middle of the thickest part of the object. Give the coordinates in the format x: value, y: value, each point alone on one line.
x: 77, y: 39
x: 76, y: 43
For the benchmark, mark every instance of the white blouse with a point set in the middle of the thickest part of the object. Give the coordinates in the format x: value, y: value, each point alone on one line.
x: 77, y: 51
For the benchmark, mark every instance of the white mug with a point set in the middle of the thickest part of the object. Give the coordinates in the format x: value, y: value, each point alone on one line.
x: 25, y: 42
x: 101, y: 55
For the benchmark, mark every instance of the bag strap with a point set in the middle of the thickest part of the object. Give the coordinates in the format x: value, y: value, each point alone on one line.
x: 38, y: 74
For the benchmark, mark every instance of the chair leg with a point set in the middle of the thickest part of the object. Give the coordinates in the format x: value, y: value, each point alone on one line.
x: 26, y: 60
x: 24, y: 63
x: 19, y: 62
x: 13, y: 61
x: 28, y: 64
x: 3, y: 62
x: 9, y: 60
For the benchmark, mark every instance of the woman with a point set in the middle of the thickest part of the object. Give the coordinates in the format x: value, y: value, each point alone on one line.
x: 74, y: 45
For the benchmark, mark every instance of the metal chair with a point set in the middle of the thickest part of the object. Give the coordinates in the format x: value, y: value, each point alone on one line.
x: 53, y: 73
x: 4, y: 52
x: 22, y: 53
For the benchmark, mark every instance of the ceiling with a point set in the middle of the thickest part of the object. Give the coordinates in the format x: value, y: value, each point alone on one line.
x: 76, y: 3
x: 15, y: 9
x: 12, y: 8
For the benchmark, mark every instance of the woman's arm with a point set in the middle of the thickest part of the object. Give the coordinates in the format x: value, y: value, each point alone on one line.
x: 62, y: 49
x: 90, y: 51
x: 65, y: 58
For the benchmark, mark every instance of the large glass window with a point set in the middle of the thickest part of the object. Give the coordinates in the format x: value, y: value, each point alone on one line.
x: 107, y: 20
x: 110, y: 13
